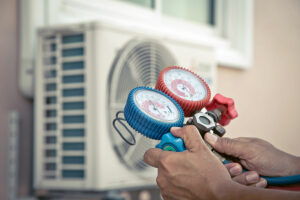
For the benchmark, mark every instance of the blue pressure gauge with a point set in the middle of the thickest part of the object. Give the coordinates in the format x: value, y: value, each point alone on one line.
x: 151, y: 112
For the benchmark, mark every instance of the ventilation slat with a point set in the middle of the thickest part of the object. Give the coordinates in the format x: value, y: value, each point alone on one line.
x: 50, y: 126
x: 73, y: 106
x: 50, y: 113
x: 73, y: 52
x: 73, y: 119
x: 50, y: 153
x: 53, y: 47
x: 50, y: 140
x: 73, y: 146
x: 50, y: 87
x: 73, y: 79
x: 50, y: 166
x: 50, y: 61
x: 72, y: 173
x: 67, y: 39
x: 50, y: 100
x: 73, y: 132
x: 50, y: 73
x: 73, y: 92
x: 73, y: 65
x: 73, y: 160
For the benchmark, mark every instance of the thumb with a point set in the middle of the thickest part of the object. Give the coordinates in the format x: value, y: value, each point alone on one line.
x: 190, y: 136
x: 152, y: 156
x: 225, y: 145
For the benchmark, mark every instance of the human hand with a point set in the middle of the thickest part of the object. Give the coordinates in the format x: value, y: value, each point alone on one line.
x: 257, y: 155
x: 250, y: 178
x: 193, y: 174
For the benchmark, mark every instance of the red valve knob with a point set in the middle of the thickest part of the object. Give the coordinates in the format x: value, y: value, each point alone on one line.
x: 226, y: 105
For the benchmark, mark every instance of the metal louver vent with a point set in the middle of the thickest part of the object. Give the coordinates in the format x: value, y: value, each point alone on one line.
x: 138, y: 63
x: 64, y: 106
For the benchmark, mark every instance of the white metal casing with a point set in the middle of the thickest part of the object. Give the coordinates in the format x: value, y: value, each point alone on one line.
x: 103, y: 169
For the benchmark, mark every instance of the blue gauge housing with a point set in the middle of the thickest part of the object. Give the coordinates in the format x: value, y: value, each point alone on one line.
x: 143, y: 123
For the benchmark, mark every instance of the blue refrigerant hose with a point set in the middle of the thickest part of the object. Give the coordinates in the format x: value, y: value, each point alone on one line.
x: 285, y: 180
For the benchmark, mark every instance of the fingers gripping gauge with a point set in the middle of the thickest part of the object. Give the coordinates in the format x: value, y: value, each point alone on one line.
x: 185, y: 87
x: 151, y: 112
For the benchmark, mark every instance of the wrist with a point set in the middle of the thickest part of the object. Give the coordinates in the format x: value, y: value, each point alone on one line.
x: 294, y: 165
x: 228, y: 191
x: 236, y: 191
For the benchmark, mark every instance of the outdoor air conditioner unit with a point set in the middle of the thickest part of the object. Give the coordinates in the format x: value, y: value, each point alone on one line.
x: 83, y: 75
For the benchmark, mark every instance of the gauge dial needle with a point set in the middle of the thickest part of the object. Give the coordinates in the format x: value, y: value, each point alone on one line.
x: 154, y: 107
x: 169, y: 109
x: 188, y: 91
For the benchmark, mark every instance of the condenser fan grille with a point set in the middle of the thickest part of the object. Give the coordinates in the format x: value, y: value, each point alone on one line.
x: 140, y: 66
x: 138, y: 63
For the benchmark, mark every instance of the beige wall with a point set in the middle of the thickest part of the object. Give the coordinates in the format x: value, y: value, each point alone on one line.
x: 267, y: 96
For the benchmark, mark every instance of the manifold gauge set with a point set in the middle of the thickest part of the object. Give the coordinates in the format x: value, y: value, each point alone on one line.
x: 179, y: 93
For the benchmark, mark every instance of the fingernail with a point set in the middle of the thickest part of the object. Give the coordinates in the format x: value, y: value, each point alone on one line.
x: 175, y: 128
x: 236, y: 170
x: 262, y: 183
x: 211, y: 138
x: 252, y: 178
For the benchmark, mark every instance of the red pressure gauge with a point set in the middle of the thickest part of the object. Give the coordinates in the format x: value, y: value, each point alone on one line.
x: 185, y: 87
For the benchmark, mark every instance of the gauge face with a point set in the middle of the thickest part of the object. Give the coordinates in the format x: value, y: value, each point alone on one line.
x: 156, y: 106
x: 185, y: 84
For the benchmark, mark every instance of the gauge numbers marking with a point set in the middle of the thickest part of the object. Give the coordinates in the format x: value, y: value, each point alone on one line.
x: 185, y: 84
x: 156, y: 106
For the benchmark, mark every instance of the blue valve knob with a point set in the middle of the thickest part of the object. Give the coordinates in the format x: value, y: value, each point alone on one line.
x: 171, y: 143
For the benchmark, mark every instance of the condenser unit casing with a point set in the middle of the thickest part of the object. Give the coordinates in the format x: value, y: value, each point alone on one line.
x: 82, y: 77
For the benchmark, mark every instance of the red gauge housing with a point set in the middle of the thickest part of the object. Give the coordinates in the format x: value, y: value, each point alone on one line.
x: 188, y: 106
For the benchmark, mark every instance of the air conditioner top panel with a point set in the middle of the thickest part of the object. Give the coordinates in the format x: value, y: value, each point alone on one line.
x: 167, y: 32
